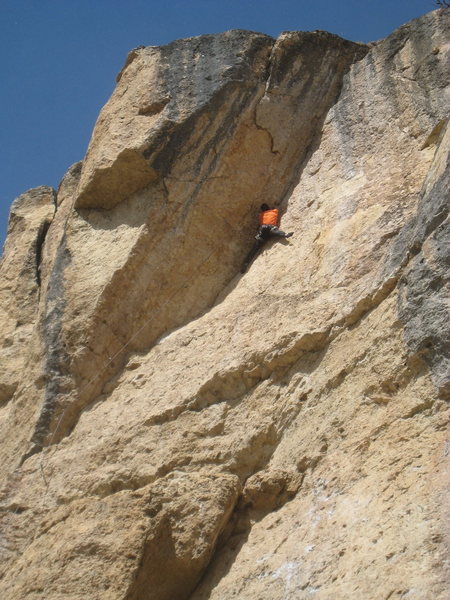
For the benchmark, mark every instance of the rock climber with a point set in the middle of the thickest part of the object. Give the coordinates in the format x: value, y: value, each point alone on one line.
x: 268, y: 227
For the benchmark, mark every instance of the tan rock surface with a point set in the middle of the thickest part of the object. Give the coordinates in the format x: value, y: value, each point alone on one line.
x: 20, y: 278
x: 186, y: 432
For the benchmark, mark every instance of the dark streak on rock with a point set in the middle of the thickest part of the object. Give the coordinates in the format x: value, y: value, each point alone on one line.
x: 40, y: 239
x: 424, y: 285
x: 56, y: 357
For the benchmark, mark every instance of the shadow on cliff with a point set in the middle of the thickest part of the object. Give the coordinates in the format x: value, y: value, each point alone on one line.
x: 281, y: 202
x: 229, y: 546
x: 221, y: 564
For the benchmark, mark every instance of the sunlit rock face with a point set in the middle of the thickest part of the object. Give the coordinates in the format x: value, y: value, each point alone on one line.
x: 173, y: 429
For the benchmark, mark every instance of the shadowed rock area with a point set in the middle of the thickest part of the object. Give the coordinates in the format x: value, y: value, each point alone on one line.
x: 172, y: 429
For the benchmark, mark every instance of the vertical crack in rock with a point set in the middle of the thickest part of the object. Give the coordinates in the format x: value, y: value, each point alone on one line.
x: 296, y: 87
x: 40, y: 239
x: 56, y: 358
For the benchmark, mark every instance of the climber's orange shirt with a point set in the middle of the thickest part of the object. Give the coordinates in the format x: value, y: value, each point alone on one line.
x: 269, y: 217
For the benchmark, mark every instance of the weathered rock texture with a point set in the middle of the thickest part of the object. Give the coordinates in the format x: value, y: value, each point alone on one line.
x: 172, y: 429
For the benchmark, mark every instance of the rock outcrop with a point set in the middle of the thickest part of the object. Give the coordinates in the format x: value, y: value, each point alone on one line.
x: 20, y: 280
x: 172, y: 429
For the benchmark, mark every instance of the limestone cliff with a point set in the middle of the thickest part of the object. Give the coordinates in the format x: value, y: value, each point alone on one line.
x: 172, y: 429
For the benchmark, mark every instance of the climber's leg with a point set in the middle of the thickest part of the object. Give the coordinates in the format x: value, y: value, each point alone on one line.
x: 274, y: 231
x: 251, y: 255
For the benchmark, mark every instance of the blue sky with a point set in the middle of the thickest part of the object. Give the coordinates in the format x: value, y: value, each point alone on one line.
x: 60, y: 59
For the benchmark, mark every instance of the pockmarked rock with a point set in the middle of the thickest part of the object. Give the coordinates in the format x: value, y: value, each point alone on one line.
x: 173, y: 429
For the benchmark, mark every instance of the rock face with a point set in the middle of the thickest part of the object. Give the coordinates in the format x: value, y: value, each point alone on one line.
x: 172, y: 429
x: 20, y: 281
